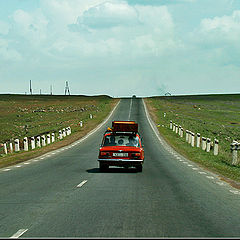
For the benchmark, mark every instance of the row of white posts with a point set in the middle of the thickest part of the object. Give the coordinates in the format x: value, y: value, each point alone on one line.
x: 190, y: 138
x: 206, y: 142
x: 235, y: 147
x: 81, y: 122
x: 41, y: 141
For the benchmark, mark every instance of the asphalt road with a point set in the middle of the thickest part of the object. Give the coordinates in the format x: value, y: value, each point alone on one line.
x: 65, y: 195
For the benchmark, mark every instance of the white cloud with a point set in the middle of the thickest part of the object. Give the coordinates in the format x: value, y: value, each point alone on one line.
x: 217, y: 40
x: 222, y: 29
x: 4, y: 28
x: 7, y: 53
x: 109, y: 14
x: 30, y: 26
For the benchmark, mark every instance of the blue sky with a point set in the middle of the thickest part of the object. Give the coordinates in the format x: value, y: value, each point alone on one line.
x: 120, y: 47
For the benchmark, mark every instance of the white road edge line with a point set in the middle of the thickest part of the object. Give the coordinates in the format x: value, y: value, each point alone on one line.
x: 210, y: 177
x: 99, y: 126
x: 147, y: 114
x: 81, y: 184
x: 19, y: 233
x: 234, y: 191
x: 7, y: 169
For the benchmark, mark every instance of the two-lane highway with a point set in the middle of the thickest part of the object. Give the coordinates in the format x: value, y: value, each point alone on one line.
x: 65, y: 194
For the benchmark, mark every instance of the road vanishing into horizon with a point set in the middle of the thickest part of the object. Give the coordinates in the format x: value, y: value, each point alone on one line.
x: 64, y: 195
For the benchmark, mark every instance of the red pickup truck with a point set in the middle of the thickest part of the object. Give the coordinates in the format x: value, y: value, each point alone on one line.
x: 121, y: 146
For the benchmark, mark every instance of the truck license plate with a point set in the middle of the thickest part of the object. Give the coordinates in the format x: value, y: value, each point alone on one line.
x: 120, y: 154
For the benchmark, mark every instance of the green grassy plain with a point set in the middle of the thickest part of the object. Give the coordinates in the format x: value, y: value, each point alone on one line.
x: 213, y: 116
x: 32, y: 115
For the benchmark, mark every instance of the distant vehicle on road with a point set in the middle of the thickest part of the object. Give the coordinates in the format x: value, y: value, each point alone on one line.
x: 134, y: 96
x: 121, y: 146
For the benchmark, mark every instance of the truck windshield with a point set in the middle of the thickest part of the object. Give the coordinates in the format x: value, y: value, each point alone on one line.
x: 121, y: 140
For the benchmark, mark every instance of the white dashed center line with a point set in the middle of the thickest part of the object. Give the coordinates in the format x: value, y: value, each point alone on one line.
x: 19, y: 233
x: 26, y: 163
x: 202, y: 172
x: 81, y: 184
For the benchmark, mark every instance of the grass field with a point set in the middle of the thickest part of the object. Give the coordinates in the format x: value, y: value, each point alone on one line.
x: 213, y: 116
x: 32, y: 115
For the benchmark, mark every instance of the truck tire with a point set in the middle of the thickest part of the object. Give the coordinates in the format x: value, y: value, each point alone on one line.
x: 103, y: 167
x: 139, y: 168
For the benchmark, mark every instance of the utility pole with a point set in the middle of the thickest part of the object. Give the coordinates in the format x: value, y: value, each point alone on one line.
x: 31, y: 87
x: 67, y: 88
x: 51, y: 90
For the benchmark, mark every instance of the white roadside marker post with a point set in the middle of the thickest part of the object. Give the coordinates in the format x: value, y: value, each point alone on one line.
x: 70, y: 130
x: 10, y: 147
x: 38, y: 141
x: 33, y: 143
x: 204, y: 145
x: 164, y: 115
x: 234, y: 148
x: 215, y: 151
x: 171, y: 125
x: 60, y: 134
x: 198, y: 140
x: 81, y: 123
x: 193, y: 139
x: 208, y: 144
x: 25, y: 144
x: 5, y: 148
x: 91, y: 116
x: 181, y: 132
x: 64, y: 132
x: 176, y: 130
x: 187, y: 135
x: 43, y: 140
x: 174, y: 127
x: 48, y: 138
x: 17, y: 148
x: 53, y: 137
x: 190, y: 137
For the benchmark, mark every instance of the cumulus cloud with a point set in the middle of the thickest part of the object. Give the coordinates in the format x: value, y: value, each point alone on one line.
x: 158, y: 2
x: 225, y: 28
x: 7, y: 53
x: 30, y: 26
x: 109, y: 14
x: 4, y: 28
x: 218, y: 39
